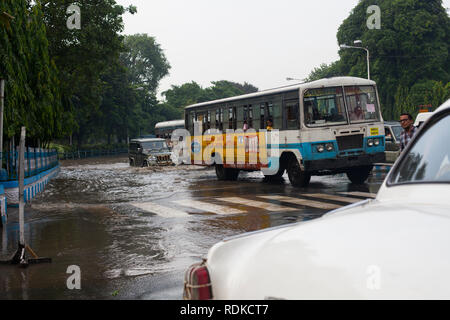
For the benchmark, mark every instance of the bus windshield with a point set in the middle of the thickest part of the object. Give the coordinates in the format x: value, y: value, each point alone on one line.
x: 325, y: 106
x: 362, y: 103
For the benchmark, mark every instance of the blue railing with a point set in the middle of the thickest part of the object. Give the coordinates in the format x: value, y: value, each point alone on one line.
x: 37, y: 160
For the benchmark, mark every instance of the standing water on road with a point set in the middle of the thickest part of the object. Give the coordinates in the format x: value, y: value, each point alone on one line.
x: 129, y: 231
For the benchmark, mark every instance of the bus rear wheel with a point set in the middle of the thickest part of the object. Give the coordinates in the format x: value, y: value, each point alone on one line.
x: 358, y: 175
x: 297, y: 176
x: 226, y: 173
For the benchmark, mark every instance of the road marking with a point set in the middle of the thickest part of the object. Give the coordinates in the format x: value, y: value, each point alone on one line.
x: 258, y: 204
x: 208, y: 207
x: 304, y: 202
x: 360, y: 194
x: 331, y: 197
x: 162, y: 211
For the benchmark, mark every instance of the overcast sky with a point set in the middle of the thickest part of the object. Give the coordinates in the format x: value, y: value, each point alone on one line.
x: 258, y: 41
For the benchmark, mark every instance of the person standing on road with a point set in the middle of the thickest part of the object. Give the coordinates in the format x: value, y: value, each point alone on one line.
x: 406, y: 121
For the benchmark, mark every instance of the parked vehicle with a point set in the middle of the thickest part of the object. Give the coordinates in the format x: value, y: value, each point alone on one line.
x: 147, y: 152
x: 421, y: 118
x: 393, y: 247
x: 392, y: 131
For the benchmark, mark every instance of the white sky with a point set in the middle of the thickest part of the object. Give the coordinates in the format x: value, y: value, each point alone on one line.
x: 258, y: 41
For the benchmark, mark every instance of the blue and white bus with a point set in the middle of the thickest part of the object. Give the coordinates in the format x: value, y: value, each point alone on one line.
x: 323, y: 127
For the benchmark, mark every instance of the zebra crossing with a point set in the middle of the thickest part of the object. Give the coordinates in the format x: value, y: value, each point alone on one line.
x: 241, y: 205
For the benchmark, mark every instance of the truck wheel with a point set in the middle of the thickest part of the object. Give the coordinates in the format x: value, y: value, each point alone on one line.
x: 297, y: 176
x: 358, y: 175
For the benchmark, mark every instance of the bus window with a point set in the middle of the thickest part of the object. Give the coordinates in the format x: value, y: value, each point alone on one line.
x: 362, y: 103
x: 191, y: 122
x: 324, y: 106
x: 208, y: 120
x: 262, y: 121
x: 230, y: 118
x: 234, y: 118
x: 240, y: 117
x: 290, y: 115
x: 250, y: 116
x: 277, y: 113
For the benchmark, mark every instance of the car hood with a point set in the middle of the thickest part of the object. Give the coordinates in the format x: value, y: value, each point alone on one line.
x: 337, y: 256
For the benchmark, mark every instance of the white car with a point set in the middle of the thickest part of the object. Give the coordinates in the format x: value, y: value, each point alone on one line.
x: 396, y: 246
x: 421, y: 118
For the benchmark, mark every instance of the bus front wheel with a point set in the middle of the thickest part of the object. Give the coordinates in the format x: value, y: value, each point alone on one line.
x: 297, y: 176
x: 358, y: 175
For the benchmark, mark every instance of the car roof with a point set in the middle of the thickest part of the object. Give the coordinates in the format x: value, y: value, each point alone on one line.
x: 147, y: 140
x: 421, y: 117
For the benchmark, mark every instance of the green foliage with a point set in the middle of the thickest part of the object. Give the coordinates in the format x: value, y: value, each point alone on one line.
x: 145, y: 61
x: 325, y: 71
x: 179, y: 97
x: 410, y: 50
x: 82, y: 56
x: 32, y: 95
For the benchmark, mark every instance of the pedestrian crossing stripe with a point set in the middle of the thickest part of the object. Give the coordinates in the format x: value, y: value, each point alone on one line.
x: 258, y: 204
x: 208, y: 207
x: 162, y: 211
x: 304, y: 202
x: 331, y: 197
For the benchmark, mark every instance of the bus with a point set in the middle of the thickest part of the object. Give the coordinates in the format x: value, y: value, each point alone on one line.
x: 165, y: 129
x: 324, y: 127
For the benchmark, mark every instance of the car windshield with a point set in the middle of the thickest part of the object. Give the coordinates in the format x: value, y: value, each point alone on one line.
x: 397, y: 130
x: 429, y: 159
x: 154, y: 145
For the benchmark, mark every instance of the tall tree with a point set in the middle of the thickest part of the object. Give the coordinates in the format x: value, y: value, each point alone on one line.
x: 145, y: 61
x: 83, y: 55
x: 32, y: 92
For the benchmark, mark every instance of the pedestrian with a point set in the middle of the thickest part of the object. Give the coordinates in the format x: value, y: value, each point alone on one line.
x: 269, y: 125
x: 245, y: 128
x: 406, y: 121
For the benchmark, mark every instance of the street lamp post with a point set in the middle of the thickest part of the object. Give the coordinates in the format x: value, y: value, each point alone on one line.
x: 359, y: 42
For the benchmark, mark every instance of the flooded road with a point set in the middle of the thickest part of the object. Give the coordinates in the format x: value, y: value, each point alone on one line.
x: 134, y: 231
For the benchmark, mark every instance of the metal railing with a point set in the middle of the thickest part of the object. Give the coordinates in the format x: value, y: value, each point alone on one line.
x: 37, y: 160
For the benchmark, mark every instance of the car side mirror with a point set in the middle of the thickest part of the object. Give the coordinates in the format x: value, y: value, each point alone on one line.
x: 139, y: 150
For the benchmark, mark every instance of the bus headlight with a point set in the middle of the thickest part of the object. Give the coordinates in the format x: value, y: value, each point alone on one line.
x: 329, y: 147
x: 376, y: 142
x: 320, y: 148
x: 370, y: 143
